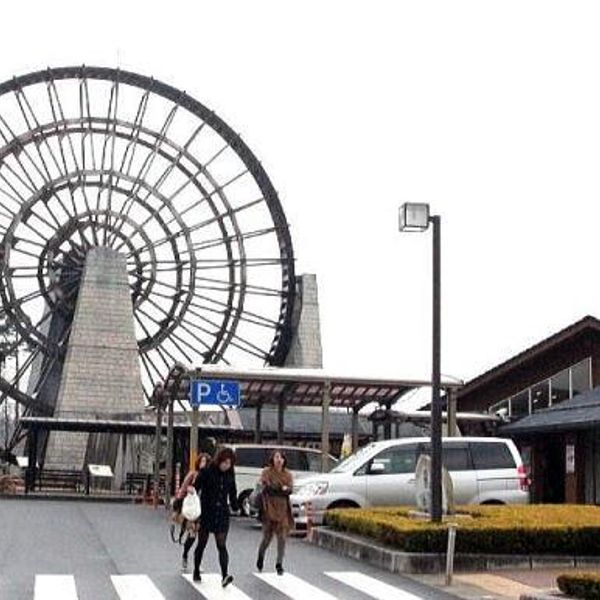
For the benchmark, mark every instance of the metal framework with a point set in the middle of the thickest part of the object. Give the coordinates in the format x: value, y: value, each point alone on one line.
x: 102, y: 157
x: 312, y: 387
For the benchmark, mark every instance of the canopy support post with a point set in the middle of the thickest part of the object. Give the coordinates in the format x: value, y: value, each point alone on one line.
x: 325, y: 425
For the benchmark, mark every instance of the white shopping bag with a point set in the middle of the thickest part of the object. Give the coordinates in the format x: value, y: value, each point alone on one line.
x: 191, y: 506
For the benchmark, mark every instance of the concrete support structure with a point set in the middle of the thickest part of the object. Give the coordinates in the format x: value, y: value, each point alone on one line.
x: 101, y: 372
x: 306, y: 350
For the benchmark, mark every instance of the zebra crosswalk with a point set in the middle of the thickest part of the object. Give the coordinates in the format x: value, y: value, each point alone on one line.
x: 372, y: 587
x: 50, y: 587
x: 211, y: 589
x: 294, y: 587
x: 141, y: 587
x: 135, y: 587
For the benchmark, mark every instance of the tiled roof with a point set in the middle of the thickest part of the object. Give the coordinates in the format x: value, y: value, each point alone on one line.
x: 586, y: 324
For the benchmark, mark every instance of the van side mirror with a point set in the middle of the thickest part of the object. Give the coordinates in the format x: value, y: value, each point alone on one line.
x: 377, y: 468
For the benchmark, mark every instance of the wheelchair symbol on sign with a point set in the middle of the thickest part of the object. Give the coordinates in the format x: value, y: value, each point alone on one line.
x: 223, y: 396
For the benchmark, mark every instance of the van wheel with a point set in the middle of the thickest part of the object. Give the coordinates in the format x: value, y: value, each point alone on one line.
x: 343, y: 504
x: 492, y: 503
x: 244, y: 503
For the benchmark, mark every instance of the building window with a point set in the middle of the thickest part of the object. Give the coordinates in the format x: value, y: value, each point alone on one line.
x: 580, y: 377
x: 560, y: 387
x: 540, y: 395
x: 520, y: 404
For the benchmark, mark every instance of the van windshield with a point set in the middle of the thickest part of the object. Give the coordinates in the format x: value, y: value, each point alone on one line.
x: 353, y: 461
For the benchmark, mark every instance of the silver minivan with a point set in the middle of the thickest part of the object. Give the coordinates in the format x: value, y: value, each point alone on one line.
x: 250, y: 459
x: 483, y: 471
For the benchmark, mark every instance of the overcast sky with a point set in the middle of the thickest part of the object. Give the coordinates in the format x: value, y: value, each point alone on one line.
x: 490, y: 111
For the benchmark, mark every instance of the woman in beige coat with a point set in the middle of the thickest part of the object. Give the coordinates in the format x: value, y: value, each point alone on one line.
x: 277, y: 484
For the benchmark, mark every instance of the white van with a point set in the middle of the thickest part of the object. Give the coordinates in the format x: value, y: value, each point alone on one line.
x: 250, y: 459
x: 483, y: 471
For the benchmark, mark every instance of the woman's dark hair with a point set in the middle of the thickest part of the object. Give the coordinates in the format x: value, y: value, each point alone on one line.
x: 281, y: 453
x: 224, y: 454
x: 199, y: 460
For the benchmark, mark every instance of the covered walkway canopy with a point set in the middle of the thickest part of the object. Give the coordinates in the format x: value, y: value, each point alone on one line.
x: 125, y: 424
x: 129, y: 425
x: 316, y: 388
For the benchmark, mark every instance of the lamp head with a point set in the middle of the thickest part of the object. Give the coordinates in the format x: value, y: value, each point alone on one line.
x: 414, y: 217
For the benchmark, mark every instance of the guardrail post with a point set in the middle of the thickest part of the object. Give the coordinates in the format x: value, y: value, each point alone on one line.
x: 450, y: 553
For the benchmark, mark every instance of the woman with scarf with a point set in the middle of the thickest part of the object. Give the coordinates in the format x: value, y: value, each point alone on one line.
x: 277, y: 484
x: 216, y: 486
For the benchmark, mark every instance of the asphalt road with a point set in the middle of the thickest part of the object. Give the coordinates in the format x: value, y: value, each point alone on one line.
x: 96, y: 546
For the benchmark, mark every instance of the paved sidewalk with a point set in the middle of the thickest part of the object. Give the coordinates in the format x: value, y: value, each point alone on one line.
x: 478, y: 586
x: 503, y: 585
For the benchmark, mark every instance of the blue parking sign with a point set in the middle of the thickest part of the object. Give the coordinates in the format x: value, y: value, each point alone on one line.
x: 213, y: 392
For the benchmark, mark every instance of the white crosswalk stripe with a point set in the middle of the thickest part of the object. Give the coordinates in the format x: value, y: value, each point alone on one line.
x: 135, y: 587
x: 294, y: 587
x: 211, y: 589
x: 141, y: 587
x: 371, y: 586
x: 52, y: 587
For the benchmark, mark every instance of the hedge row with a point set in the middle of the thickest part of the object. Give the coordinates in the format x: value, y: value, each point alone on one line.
x: 570, y: 530
x: 580, y: 585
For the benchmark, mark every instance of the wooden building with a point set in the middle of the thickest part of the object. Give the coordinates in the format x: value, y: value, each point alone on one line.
x: 548, y: 398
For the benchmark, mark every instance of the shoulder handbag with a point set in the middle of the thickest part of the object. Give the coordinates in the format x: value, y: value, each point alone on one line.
x: 256, y: 497
x: 191, y: 506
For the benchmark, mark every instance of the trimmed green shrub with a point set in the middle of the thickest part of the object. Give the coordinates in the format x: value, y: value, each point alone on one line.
x: 580, y: 585
x: 571, y: 530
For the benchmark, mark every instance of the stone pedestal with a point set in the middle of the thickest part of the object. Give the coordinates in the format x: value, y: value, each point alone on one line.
x: 101, y: 373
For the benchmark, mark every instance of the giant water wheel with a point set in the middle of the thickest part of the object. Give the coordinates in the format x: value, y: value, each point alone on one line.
x: 102, y: 157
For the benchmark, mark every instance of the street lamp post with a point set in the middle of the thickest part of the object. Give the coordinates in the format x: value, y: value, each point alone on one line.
x: 416, y: 217
x: 194, y: 426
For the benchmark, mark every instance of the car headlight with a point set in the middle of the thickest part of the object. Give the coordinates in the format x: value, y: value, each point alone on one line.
x: 312, y: 489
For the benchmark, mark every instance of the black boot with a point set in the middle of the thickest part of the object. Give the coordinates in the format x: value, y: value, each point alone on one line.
x: 196, y: 576
x: 227, y: 580
x: 260, y: 563
x: 279, y: 568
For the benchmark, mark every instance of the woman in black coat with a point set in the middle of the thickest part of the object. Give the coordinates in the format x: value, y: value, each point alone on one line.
x: 216, y: 486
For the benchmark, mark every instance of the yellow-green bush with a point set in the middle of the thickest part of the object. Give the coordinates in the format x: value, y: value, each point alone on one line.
x: 580, y: 585
x: 572, y: 530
